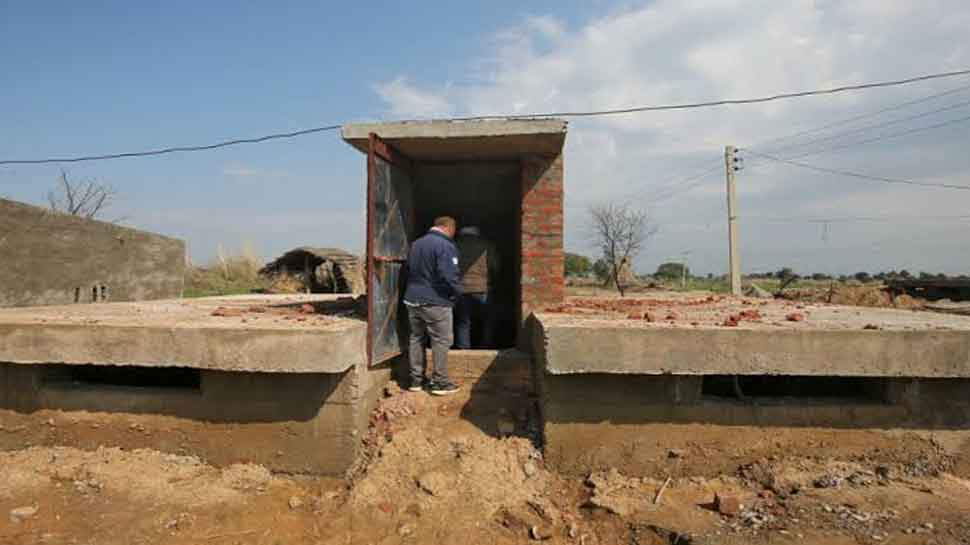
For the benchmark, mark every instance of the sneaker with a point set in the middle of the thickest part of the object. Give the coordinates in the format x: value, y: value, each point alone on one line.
x: 416, y: 386
x: 444, y: 388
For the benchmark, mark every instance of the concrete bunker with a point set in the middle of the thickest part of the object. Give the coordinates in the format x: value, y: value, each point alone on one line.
x: 277, y: 380
x: 846, y: 382
x: 504, y: 176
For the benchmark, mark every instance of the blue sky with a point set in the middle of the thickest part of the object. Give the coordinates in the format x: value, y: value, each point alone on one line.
x: 102, y: 77
x: 123, y: 76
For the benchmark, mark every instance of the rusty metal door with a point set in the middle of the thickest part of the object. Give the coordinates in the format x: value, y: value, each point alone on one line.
x: 390, y: 229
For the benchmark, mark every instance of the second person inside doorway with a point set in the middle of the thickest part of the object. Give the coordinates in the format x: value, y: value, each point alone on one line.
x: 479, y: 265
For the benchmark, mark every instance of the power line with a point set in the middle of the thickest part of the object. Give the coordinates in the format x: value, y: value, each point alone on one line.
x: 672, y: 191
x: 873, y: 126
x: 858, y: 175
x: 177, y: 149
x: 674, y: 186
x: 680, y: 187
x: 875, y: 139
x: 591, y: 113
x: 865, y: 115
x: 724, y: 102
x: 846, y: 219
x: 837, y: 219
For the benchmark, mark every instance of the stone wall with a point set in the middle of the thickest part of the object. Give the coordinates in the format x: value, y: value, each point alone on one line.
x: 51, y: 258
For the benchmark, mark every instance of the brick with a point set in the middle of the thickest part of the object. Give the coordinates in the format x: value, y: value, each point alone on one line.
x: 727, y: 504
x: 541, y: 223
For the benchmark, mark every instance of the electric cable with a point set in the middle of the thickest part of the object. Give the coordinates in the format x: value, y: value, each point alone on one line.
x: 562, y: 114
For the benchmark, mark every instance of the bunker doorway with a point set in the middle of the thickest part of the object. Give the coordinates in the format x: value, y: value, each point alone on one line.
x: 404, y: 197
x: 486, y: 195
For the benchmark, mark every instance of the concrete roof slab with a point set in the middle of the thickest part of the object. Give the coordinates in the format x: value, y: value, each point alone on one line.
x: 463, y: 140
x: 690, y: 336
x: 263, y: 333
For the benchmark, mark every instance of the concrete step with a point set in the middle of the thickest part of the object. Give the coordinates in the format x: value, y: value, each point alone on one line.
x: 508, y: 371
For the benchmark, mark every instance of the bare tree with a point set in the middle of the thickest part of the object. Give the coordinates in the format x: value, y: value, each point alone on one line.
x: 621, y: 232
x: 87, y: 199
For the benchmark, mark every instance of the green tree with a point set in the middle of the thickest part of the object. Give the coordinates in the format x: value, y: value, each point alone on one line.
x: 786, y: 274
x: 578, y: 265
x: 601, y: 269
x: 671, y: 271
x: 862, y: 276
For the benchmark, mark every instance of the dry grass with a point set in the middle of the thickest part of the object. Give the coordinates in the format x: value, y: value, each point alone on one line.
x: 227, y: 274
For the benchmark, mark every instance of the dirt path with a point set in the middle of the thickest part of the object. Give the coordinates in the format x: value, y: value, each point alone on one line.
x: 434, y: 476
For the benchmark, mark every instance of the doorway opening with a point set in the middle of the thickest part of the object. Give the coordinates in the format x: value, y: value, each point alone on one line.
x: 487, y: 195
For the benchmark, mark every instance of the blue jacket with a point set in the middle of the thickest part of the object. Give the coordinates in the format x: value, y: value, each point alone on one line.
x: 433, y: 277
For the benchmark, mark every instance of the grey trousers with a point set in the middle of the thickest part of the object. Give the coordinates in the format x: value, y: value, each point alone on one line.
x: 434, y: 322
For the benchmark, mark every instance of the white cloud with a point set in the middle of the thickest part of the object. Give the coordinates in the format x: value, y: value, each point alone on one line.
x: 408, y: 101
x: 673, y: 52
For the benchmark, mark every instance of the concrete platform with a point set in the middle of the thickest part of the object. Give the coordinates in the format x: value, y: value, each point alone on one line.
x: 257, y: 333
x: 593, y: 336
x: 260, y: 379
x: 619, y: 389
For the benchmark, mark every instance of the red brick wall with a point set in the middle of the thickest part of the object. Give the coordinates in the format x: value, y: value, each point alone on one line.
x: 541, y: 272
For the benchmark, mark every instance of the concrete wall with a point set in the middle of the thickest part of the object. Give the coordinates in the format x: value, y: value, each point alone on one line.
x: 596, y: 422
x: 302, y: 423
x: 50, y: 258
x: 615, y: 348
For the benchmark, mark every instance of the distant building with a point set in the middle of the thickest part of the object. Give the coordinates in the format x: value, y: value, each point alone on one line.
x: 51, y: 258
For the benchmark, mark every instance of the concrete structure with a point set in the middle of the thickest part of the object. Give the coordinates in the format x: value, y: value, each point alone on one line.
x: 51, y: 258
x: 906, y: 344
x: 618, y: 390
x: 276, y: 380
x: 505, y: 176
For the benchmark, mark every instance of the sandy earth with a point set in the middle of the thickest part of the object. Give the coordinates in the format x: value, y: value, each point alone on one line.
x: 434, y: 474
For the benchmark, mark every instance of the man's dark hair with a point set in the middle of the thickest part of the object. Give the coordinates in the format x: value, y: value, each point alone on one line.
x: 445, y: 221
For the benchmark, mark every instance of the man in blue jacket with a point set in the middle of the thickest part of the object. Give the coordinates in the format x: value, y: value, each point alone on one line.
x: 433, y: 287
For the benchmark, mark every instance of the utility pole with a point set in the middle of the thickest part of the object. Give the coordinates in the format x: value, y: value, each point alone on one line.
x: 734, y: 264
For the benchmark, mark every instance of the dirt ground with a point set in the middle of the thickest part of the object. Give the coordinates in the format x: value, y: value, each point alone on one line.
x: 435, y: 473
